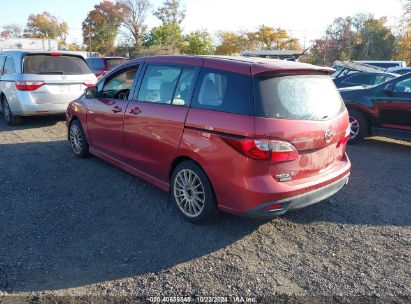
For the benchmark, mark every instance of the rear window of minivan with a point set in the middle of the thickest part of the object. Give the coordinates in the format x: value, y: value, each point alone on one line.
x: 300, y: 97
x: 54, y: 65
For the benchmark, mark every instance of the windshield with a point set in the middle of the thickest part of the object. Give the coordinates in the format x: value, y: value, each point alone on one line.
x: 55, y: 65
x: 303, y: 97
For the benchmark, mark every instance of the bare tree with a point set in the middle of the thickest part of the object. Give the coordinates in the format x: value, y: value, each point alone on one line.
x: 134, y: 18
x: 12, y: 31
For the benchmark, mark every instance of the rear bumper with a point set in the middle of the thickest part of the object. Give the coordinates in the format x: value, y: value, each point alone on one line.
x: 299, y: 201
x: 23, y: 105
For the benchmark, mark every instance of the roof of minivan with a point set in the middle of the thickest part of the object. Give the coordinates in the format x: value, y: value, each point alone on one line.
x: 22, y: 53
x: 243, y: 65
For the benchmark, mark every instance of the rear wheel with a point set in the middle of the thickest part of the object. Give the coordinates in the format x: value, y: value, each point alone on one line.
x: 192, y: 192
x: 8, y: 115
x: 78, y: 141
x: 358, y: 127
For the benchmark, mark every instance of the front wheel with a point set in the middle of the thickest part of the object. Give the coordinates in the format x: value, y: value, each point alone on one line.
x: 192, y: 192
x: 78, y: 141
x: 358, y: 127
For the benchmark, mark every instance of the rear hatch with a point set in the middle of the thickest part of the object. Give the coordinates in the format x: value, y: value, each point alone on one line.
x: 306, y: 121
x: 55, y: 77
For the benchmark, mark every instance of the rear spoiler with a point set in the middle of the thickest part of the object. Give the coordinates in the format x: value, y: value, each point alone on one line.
x: 273, y: 72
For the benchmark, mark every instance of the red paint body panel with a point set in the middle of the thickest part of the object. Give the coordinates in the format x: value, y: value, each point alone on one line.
x: 152, y: 137
x: 105, y: 119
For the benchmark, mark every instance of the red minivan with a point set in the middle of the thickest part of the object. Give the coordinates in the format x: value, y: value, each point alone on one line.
x: 250, y: 136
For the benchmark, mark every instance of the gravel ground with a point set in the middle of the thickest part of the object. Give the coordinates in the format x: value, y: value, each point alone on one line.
x: 80, y: 227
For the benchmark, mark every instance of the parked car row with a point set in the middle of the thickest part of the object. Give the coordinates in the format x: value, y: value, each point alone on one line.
x: 43, y: 83
x: 384, y: 109
x: 248, y: 136
x: 378, y: 97
x: 100, y: 66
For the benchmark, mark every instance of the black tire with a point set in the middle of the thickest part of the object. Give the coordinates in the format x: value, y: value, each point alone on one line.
x: 8, y: 115
x: 209, y: 204
x: 357, y: 119
x: 77, y: 139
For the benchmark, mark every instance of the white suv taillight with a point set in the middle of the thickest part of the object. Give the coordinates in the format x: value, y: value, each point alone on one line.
x: 29, y: 85
x: 89, y: 84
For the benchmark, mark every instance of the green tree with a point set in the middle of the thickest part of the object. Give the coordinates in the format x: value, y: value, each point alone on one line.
x: 354, y: 38
x: 134, y: 19
x: 47, y: 26
x: 197, y: 43
x: 167, y: 36
x: 101, y: 26
x: 171, y: 12
x: 376, y: 41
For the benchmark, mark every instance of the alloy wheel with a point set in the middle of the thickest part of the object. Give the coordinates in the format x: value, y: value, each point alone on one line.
x: 189, y: 192
x: 6, y: 110
x: 76, y: 138
x: 354, y: 127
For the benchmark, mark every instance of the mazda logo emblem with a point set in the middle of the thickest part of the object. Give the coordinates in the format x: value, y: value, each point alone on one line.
x: 328, y: 136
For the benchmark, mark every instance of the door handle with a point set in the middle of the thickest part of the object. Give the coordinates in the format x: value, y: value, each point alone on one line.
x: 117, y: 109
x: 135, y: 111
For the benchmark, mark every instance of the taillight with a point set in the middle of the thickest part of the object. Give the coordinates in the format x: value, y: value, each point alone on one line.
x: 89, y: 84
x: 29, y: 85
x: 102, y: 74
x: 263, y: 149
x: 346, y: 137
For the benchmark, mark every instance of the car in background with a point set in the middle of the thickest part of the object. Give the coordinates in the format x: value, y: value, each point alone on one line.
x: 102, y: 65
x: 400, y: 71
x: 363, y: 78
x: 40, y: 83
x: 249, y: 136
x: 384, y: 63
x: 383, y: 110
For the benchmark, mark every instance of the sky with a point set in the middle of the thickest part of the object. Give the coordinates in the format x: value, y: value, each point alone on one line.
x: 304, y: 19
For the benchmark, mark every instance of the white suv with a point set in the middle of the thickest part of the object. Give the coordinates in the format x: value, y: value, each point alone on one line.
x: 40, y: 83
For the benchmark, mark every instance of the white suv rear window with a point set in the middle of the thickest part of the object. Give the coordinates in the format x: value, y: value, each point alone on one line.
x: 54, y: 65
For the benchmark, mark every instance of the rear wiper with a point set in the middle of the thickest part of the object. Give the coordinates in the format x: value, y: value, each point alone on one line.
x: 52, y: 73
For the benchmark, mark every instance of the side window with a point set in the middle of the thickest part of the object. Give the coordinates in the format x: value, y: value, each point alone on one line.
x: 360, y: 78
x: 382, y: 78
x: 119, y: 86
x: 403, y: 86
x: 184, y: 87
x: 224, y: 91
x: 159, y: 84
x: 9, y: 67
x: 2, y: 59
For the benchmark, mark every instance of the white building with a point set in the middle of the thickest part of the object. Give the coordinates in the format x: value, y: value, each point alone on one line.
x: 29, y: 44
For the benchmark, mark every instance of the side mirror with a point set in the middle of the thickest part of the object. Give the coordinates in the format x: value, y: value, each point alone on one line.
x: 91, y: 92
x: 389, y: 89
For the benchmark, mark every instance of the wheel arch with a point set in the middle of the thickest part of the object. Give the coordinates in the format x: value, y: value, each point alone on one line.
x: 364, y: 111
x: 181, y: 158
